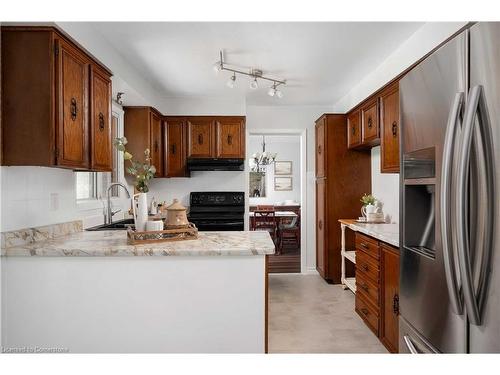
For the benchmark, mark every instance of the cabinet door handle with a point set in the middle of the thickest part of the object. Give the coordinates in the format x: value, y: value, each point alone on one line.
x: 73, y: 109
x: 101, y: 121
x: 364, y: 311
x: 319, y: 150
x: 353, y: 130
x: 362, y: 244
x: 230, y: 139
x: 320, y: 224
x: 370, y: 122
x: 395, y: 304
x: 200, y: 139
x: 173, y: 148
x: 394, y: 129
x: 364, y: 287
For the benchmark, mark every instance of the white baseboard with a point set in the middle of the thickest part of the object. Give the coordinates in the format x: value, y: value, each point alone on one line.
x: 310, y: 271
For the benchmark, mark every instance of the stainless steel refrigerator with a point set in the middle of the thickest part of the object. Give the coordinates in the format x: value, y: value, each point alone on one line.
x: 450, y: 202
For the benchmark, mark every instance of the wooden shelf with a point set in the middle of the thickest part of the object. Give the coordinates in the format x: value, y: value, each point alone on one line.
x: 350, y: 282
x: 351, y: 255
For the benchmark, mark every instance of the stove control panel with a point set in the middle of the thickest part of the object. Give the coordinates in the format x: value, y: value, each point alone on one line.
x: 217, y: 198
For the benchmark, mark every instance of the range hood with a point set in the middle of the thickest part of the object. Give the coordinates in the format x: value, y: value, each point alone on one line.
x: 212, y: 164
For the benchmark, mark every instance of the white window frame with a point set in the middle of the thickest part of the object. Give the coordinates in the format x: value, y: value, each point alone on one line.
x: 96, y: 203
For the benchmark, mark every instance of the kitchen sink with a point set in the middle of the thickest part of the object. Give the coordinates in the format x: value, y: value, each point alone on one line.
x: 117, y: 225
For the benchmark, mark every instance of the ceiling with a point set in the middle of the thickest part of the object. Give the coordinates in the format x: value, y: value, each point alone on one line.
x: 320, y: 61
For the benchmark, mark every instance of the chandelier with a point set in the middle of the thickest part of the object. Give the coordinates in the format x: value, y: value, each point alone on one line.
x: 254, y: 74
x: 260, y: 160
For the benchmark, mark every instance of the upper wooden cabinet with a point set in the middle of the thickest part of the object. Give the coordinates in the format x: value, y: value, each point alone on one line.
x: 354, y: 129
x: 376, y: 122
x: 389, y: 127
x: 230, y: 137
x: 201, y: 137
x: 216, y: 137
x: 172, y: 139
x: 320, y: 147
x: 175, y: 146
x: 143, y: 130
x: 100, y: 120
x: 156, y: 142
x: 72, y: 68
x: 370, y: 134
x: 53, y: 95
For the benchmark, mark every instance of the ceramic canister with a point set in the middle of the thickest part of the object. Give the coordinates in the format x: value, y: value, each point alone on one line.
x: 176, y: 215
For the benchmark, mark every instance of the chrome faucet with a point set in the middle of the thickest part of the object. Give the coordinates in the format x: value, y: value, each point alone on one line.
x: 108, y: 216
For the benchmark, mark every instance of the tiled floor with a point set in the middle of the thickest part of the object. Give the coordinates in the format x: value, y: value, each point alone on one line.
x: 307, y: 315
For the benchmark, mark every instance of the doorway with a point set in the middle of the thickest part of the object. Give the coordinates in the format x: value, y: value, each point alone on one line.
x: 275, y: 195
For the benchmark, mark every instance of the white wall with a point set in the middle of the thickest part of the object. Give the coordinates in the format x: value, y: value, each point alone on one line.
x: 287, y: 148
x: 295, y: 119
x: 385, y: 187
x: 414, y: 48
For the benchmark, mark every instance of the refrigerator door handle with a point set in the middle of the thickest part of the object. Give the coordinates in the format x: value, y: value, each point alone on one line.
x: 452, y: 129
x: 409, y: 344
x: 474, y: 300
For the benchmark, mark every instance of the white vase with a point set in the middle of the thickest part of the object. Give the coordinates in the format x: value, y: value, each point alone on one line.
x: 140, y: 209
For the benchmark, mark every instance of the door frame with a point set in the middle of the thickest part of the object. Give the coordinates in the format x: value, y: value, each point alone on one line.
x: 302, y: 134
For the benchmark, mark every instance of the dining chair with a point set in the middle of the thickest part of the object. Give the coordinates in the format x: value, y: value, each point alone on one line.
x: 290, y: 233
x: 265, y: 207
x: 266, y: 220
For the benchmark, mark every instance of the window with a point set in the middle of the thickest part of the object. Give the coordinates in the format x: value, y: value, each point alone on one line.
x: 86, y: 187
x: 93, y: 185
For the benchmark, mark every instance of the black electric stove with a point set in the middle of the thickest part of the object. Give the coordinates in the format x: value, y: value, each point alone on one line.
x: 217, y: 210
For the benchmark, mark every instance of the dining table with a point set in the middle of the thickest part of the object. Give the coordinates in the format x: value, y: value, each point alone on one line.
x: 279, y: 215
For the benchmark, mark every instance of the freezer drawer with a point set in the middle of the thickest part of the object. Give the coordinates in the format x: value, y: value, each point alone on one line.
x: 412, y: 342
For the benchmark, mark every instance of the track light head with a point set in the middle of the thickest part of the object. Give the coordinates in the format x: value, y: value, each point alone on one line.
x: 217, y: 67
x: 279, y: 94
x: 254, y: 84
x: 232, y: 81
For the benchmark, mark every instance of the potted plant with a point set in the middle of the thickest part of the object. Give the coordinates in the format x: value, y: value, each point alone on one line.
x: 143, y: 172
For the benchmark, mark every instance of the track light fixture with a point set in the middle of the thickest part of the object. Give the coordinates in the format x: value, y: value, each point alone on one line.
x: 255, y: 74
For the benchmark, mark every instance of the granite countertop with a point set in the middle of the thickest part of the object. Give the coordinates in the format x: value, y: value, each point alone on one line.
x: 388, y: 233
x: 114, y: 243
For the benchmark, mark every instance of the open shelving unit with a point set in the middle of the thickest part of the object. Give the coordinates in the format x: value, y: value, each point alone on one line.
x: 349, y: 255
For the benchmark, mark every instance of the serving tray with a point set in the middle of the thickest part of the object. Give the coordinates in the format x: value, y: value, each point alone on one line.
x: 189, y: 232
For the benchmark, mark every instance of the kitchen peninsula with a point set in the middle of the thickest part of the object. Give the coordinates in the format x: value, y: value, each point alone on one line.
x: 92, y: 292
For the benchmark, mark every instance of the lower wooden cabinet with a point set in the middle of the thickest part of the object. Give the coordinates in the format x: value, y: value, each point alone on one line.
x: 321, y: 234
x: 377, y: 288
x: 389, y: 303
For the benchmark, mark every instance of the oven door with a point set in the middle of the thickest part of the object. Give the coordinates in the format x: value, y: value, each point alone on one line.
x: 218, y: 225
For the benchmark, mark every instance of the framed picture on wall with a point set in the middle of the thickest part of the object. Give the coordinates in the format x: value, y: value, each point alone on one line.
x: 282, y: 183
x: 282, y: 167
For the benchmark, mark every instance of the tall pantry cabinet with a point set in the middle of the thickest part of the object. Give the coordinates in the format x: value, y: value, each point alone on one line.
x: 342, y: 177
